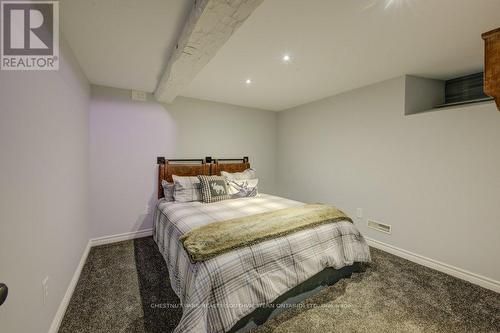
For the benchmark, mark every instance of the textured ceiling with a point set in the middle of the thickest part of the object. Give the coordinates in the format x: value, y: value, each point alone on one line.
x: 338, y: 45
x: 335, y: 45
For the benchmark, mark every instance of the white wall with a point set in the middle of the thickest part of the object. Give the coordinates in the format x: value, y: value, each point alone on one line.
x: 127, y: 136
x: 434, y: 176
x: 43, y: 188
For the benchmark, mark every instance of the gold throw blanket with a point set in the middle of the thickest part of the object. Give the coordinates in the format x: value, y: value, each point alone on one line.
x: 216, y: 238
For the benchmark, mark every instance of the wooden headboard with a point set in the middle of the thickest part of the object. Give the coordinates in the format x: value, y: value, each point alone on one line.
x: 195, y: 167
x: 183, y: 167
x: 229, y: 165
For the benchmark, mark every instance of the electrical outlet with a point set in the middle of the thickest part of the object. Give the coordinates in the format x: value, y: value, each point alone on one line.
x: 45, y: 289
x: 359, y: 213
x: 139, y: 96
x: 148, y: 209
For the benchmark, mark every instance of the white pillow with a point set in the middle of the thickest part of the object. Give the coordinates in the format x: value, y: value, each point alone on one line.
x: 186, y: 189
x: 247, y: 174
x: 168, y: 190
x: 241, y: 184
x: 243, y: 188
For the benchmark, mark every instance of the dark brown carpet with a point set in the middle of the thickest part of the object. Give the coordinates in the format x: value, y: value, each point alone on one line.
x: 124, y: 285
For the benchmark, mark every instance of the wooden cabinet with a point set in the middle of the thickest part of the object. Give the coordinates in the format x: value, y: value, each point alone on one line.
x: 492, y: 65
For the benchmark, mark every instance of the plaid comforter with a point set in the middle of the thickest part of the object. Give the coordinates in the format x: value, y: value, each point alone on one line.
x: 218, y: 292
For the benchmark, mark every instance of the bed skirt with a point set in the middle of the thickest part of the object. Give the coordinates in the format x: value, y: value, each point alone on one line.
x: 305, y: 290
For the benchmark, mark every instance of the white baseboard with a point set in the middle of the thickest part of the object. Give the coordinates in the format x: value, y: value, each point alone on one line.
x: 121, y: 237
x: 56, y: 322
x: 463, y: 274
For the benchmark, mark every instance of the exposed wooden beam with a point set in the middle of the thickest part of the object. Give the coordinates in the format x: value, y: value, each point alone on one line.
x: 210, y: 24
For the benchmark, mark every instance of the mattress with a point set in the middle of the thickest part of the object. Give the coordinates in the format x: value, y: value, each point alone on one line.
x: 218, y: 292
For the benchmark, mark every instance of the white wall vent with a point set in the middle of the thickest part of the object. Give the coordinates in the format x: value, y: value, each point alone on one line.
x: 386, y: 228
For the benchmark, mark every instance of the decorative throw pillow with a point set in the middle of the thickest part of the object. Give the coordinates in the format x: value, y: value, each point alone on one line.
x: 247, y: 174
x: 238, y: 188
x: 243, y: 188
x: 186, y: 189
x: 168, y: 190
x: 213, y: 188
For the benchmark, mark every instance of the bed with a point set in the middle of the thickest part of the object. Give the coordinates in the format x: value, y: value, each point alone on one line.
x: 230, y: 292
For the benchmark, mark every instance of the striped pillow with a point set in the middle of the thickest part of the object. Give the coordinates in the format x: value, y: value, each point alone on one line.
x: 186, y: 189
x: 213, y: 188
x: 168, y: 190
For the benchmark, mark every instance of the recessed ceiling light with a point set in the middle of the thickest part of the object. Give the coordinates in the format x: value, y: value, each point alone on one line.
x: 248, y: 81
x: 286, y: 58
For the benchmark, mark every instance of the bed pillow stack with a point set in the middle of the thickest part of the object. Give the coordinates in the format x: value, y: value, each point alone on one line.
x: 211, y: 188
x: 242, y: 184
